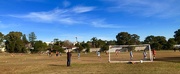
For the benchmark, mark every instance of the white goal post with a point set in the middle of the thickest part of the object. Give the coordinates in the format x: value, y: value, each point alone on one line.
x: 121, y: 53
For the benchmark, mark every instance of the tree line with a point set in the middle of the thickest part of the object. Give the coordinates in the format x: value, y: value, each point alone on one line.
x: 17, y: 42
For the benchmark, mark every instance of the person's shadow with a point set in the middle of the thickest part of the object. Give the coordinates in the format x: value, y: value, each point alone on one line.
x: 57, y: 65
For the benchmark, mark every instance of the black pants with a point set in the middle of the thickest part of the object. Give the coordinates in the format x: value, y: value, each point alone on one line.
x: 68, y: 62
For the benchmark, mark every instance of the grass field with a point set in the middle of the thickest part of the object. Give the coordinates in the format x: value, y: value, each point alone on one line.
x: 167, y: 62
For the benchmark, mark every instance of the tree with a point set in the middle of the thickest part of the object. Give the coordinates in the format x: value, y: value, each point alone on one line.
x: 111, y: 42
x: 14, y: 42
x: 58, y: 48
x: 149, y: 39
x: 158, y: 42
x: 67, y: 44
x: 170, y: 43
x: 105, y: 48
x: 134, y: 39
x: 123, y: 38
x: 86, y: 46
x: 1, y: 37
x: 25, y: 39
x: 156, y: 46
x: 39, y: 46
x: 162, y: 41
x: 100, y: 43
x: 80, y: 47
x: 94, y: 42
x: 56, y: 40
x: 177, y: 36
x: 32, y: 38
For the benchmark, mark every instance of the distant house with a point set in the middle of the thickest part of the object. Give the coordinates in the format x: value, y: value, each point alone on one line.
x: 2, y: 47
x: 94, y: 49
x: 177, y: 46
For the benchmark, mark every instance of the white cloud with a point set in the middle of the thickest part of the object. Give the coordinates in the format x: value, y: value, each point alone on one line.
x: 66, y: 16
x: 148, y: 8
x: 103, y: 24
x: 70, y: 16
x: 82, y: 9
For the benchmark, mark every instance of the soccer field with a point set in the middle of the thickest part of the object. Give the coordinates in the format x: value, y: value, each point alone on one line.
x: 167, y: 62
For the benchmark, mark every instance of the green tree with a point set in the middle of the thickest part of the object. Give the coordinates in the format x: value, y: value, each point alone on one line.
x: 162, y: 41
x: 32, y: 38
x: 124, y: 38
x: 58, y: 48
x: 111, y: 42
x: 94, y: 42
x: 80, y: 47
x: 100, y: 43
x: 67, y: 43
x: 156, y: 46
x: 14, y: 42
x: 25, y: 39
x: 39, y: 46
x: 149, y: 39
x: 1, y: 37
x: 177, y: 36
x: 170, y: 43
x: 86, y: 46
x: 105, y: 48
x: 158, y: 42
x: 134, y: 39
x: 56, y: 40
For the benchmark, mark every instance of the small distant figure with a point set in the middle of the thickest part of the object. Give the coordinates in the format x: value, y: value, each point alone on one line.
x: 85, y: 52
x: 79, y: 55
x: 48, y: 52
x: 131, y: 55
x: 145, y: 54
x: 69, y: 58
x: 99, y: 54
x: 12, y: 55
x: 60, y: 54
x: 106, y: 52
x: 174, y: 49
x: 116, y: 53
x: 57, y: 53
x: 154, y: 53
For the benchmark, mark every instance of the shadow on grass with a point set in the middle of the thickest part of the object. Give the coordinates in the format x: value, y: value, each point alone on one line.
x: 57, y: 65
x: 169, y: 59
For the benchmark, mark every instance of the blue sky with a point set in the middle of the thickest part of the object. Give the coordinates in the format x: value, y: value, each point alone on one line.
x: 84, y: 19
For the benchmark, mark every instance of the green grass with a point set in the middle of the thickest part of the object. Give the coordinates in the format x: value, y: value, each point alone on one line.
x: 167, y: 62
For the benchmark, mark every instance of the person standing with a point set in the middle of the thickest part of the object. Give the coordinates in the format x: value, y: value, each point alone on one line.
x: 57, y: 53
x: 69, y: 58
x: 154, y: 53
x: 131, y: 55
x: 78, y: 54
x: 99, y: 54
x: 145, y: 54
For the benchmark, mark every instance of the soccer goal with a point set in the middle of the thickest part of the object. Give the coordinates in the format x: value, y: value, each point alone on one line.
x: 130, y: 53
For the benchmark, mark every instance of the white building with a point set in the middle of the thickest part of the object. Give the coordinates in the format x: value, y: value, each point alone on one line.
x: 177, y: 46
x: 2, y: 47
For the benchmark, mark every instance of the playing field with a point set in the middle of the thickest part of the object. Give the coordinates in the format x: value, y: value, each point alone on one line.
x: 167, y: 62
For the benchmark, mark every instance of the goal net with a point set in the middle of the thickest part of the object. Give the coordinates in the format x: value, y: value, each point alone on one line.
x: 130, y: 53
